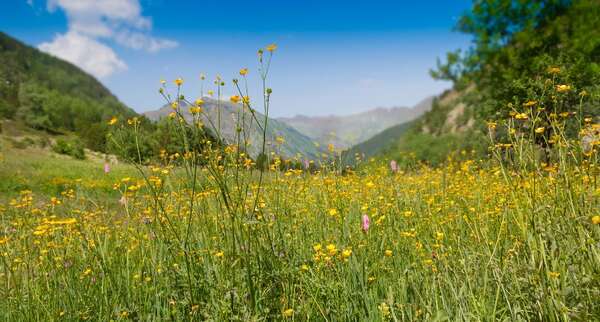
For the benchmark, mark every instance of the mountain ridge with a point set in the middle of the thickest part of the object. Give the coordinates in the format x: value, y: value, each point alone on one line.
x: 294, y: 143
x: 345, y: 131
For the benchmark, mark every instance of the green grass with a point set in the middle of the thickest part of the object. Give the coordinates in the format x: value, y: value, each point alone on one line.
x: 467, y: 241
x: 47, y: 173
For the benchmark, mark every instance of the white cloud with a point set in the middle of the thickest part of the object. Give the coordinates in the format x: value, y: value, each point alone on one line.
x: 99, y: 17
x: 137, y: 40
x: 93, y: 22
x: 85, y: 52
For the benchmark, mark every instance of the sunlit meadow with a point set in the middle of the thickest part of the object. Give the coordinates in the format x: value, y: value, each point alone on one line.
x: 208, y: 233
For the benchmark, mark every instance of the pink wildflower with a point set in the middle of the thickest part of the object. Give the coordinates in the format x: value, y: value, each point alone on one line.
x: 365, y: 223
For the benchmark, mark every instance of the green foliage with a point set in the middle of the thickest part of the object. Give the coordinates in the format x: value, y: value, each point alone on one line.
x: 495, y: 25
x: 522, y: 50
x: 140, y: 140
x: 262, y: 162
x: 72, y: 147
x: 516, y: 42
x: 131, y: 144
x: 52, y: 95
x: 434, y: 150
x: 375, y: 145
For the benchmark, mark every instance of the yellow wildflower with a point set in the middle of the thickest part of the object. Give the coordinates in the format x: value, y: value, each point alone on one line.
x: 288, y: 313
x: 235, y: 99
x: 521, y: 116
x: 385, y: 309
x: 346, y: 253
x: 330, y: 147
x: 271, y: 48
x: 195, y: 110
x: 68, y: 221
x: 554, y: 70
x: 331, y: 249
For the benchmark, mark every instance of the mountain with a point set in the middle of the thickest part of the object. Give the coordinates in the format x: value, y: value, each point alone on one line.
x: 377, y: 144
x: 345, y: 131
x: 294, y: 143
x: 50, y: 94
x: 450, y: 125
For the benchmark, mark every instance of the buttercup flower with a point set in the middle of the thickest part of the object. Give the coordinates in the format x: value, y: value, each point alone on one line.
x: 234, y: 99
x: 271, y: 47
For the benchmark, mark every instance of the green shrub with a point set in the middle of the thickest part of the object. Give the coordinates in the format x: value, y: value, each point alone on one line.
x: 27, y: 141
x: 72, y: 147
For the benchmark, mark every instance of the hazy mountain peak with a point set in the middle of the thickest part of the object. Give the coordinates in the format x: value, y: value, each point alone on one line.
x: 347, y: 130
x: 296, y: 144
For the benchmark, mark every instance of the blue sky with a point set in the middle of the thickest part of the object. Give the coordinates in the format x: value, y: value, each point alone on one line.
x: 333, y: 57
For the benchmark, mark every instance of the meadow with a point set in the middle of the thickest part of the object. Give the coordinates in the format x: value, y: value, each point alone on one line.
x: 208, y: 233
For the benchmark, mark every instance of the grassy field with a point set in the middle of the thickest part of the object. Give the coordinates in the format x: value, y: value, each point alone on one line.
x: 48, y: 174
x: 204, y: 232
x: 467, y: 241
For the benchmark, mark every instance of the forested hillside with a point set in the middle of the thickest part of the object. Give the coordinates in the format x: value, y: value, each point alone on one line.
x: 50, y: 94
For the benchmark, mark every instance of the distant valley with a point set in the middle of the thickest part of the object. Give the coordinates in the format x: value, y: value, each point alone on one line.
x: 349, y: 130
